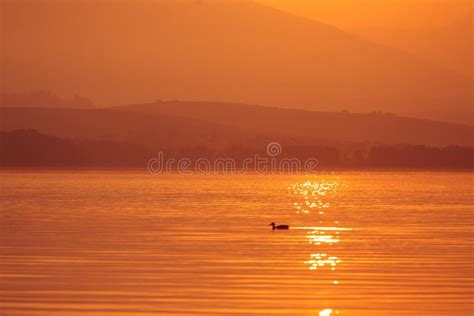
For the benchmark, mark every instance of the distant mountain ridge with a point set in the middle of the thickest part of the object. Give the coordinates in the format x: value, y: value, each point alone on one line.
x: 229, y: 51
x: 152, y: 131
x: 372, y: 127
x: 43, y: 98
x: 177, y: 124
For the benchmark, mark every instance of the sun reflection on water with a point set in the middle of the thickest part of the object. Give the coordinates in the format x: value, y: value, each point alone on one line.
x: 315, y: 199
x: 318, y: 238
x: 328, y: 312
x: 324, y: 236
x: 314, y: 195
x: 321, y: 260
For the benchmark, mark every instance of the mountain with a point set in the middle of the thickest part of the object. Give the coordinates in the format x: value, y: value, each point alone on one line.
x: 43, y: 98
x: 438, y: 31
x: 236, y: 51
x: 175, y: 125
x: 448, y: 46
x: 156, y: 132
x: 373, y: 127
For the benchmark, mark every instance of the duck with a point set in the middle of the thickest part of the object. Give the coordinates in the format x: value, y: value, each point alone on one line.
x: 279, y: 226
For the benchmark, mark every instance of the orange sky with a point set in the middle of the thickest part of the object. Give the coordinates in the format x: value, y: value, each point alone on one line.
x: 438, y: 31
x: 238, y: 51
x: 378, y: 13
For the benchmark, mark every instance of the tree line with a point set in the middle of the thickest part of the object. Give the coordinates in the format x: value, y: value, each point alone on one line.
x: 29, y: 148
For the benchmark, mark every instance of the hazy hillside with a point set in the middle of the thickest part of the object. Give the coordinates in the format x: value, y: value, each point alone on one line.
x: 156, y: 131
x: 438, y: 31
x: 43, y: 98
x: 121, y: 52
x: 342, y: 126
x: 178, y: 124
x: 449, y: 46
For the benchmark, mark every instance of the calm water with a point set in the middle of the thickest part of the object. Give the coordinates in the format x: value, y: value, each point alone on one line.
x: 126, y: 243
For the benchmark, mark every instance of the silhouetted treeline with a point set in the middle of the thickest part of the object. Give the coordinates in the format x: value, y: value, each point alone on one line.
x: 405, y: 156
x: 43, y: 98
x: 28, y: 148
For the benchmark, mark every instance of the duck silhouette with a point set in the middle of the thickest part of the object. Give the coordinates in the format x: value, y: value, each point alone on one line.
x: 279, y: 226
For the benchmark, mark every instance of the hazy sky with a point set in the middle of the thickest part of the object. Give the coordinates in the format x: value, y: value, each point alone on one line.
x: 378, y: 13
x: 438, y: 31
x: 239, y: 51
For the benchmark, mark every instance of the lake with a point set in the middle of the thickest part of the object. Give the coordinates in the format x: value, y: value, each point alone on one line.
x: 129, y: 243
